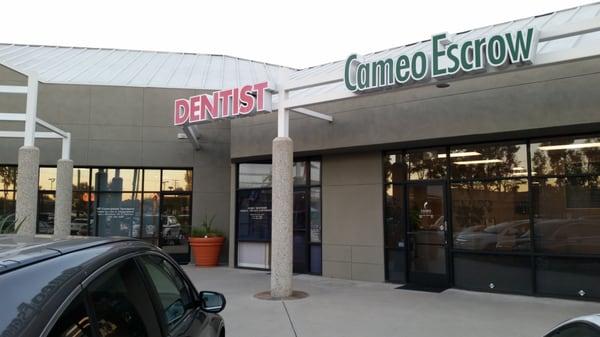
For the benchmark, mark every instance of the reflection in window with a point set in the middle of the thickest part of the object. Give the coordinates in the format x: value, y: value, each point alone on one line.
x: 300, y: 209
x: 566, y: 156
x: 177, y: 180
x: 394, y: 218
x: 8, y: 177
x: 74, y: 322
x: 117, y: 180
x: 254, y: 175
x: 491, y: 215
x: 254, y: 215
x: 81, y: 179
x: 426, y: 164
x: 46, y: 213
x: 47, y: 178
x: 394, y: 168
x: 300, y: 171
x: 80, y: 213
x: 489, y: 161
x: 7, y: 211
x: 315, y: 214
x: 567, y: 214
x: 151, y: 216
x: 151, y: 180
x: 118, y: 214
x: 315, y: 172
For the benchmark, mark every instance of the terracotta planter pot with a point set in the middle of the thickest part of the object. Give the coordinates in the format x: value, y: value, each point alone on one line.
x: 206, y: 251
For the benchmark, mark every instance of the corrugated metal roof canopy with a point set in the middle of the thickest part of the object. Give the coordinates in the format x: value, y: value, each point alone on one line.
x: 116, y: 67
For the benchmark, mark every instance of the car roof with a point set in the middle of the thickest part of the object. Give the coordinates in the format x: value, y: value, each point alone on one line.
x: 17, y: 251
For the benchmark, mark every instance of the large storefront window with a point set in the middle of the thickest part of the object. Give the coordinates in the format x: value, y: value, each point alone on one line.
x: 254, y: 216
x: 523, y: 217
x: 150, y: 204
x: 8, y: 188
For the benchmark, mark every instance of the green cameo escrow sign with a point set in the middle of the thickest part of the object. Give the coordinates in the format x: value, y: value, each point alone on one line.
x: 447, y: 59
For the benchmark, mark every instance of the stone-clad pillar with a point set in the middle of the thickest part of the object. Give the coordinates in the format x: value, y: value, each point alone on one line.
x: 64, y: 196
x: 27, y: 189
x: 281, y: 223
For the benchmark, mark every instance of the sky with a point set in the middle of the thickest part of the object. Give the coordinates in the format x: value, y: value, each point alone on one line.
x: 292, y: 33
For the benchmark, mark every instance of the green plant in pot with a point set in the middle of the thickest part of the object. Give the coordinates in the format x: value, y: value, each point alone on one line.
x: 206, y: 243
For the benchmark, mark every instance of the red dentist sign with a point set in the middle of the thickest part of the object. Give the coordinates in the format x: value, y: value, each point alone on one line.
x: 229, y: 103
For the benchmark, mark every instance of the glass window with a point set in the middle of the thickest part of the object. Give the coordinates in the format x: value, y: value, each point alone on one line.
x: 254, y: 175
x: 315, y: 172
x: 300, y: 209
x: 117, y: 180
x: 566, y: 156
x: 74, y: 322
x: 177, y: 180
x: 79, y: 213
x: 121, y: 303
x: 568, y: 276
x: 395, y: 169
x: 151, y: 216
x: 491, y: 215
x: 426, y: 164
x: 493, y: 273
x: 118, y: 214
x: 315, y: 214
x: 8, y: 177
x: 7, y: 211
x: 300, y: 173
x: 81, y: 179
x: 315, y: 259
x: 151, y: 180
x: 172, y: 291
x: 567, y: 214
x: 489, y: 161
x: 394, y: 218
x: 47, y: 178
x: 254, y: 215
x: 45, y: 220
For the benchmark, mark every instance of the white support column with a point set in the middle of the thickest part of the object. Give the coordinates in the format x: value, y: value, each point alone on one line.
x: 64, y: 191
x: 28, y: 166
x: 282, y: 204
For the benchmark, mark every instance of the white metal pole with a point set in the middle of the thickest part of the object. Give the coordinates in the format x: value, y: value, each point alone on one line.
x: 66, y: 147
x: 283, y: 114
x: 31, y: 109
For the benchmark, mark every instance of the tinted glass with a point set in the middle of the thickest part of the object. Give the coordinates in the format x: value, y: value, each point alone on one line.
x: 171, y: 289
x: 175, y: 223
x: 315, y: 172
x: 493, y: 273
x: 151, y: 180
x: 300, y: 173
x: 394, y: 216
x: 79, y: 213
x: 7, y: 211
x: 151, y: 216
x: 489, y: 161
x: 299, y: 252
x: 254, y: 175
x: 45, y: 219
x: 315, y: 259
x: 567, y: 214
x: 573, y: 277
x: 47, y: 178
x: 117, y: 180
x: 8, y: 177
x: 122, y: 304
x: 177, y: 180
x: 566, y: 156
x: 315, y: 214
x: 395, y: 169
x: 300, y: 215
x: 81, y: 179
x: 426, y: 164
x: 491, y: 215
x: 118, y: 214
x: 396, y: 265
x: 74, y: 322
x: 254, y: 214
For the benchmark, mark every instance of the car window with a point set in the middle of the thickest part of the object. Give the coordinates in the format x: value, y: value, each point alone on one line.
x: 173, y: 293
x: 575, y: 330
x: 121, y: 303
x: 75, y: 321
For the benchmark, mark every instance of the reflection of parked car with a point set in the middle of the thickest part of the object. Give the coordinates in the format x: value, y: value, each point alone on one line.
x: 171, y: 230
x: 574, y: 235
x: 583, y: 326
x: 7, y: 223
x: 79, y: 226
x: 506, y: 235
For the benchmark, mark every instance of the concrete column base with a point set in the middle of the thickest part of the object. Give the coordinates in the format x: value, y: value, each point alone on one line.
x: 27, y: 190
x: 281, y: 222
x: 64, y: 197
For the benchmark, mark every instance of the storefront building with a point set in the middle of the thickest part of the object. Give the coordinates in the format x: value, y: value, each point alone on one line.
x: 478, y: 169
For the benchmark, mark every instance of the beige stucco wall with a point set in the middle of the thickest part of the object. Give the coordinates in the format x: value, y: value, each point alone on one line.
x: 353, y: 216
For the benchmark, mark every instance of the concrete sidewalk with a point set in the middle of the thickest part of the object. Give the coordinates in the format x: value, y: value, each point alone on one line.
x: 363, y: 309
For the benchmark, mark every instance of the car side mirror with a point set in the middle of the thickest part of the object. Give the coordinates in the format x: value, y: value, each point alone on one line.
x: 211, y: 301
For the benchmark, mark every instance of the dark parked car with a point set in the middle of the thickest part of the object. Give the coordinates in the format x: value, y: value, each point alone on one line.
x: 99, y: 287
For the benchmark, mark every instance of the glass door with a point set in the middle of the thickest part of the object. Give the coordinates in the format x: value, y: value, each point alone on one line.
x: 175, y: 225
x: 427, y: 239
